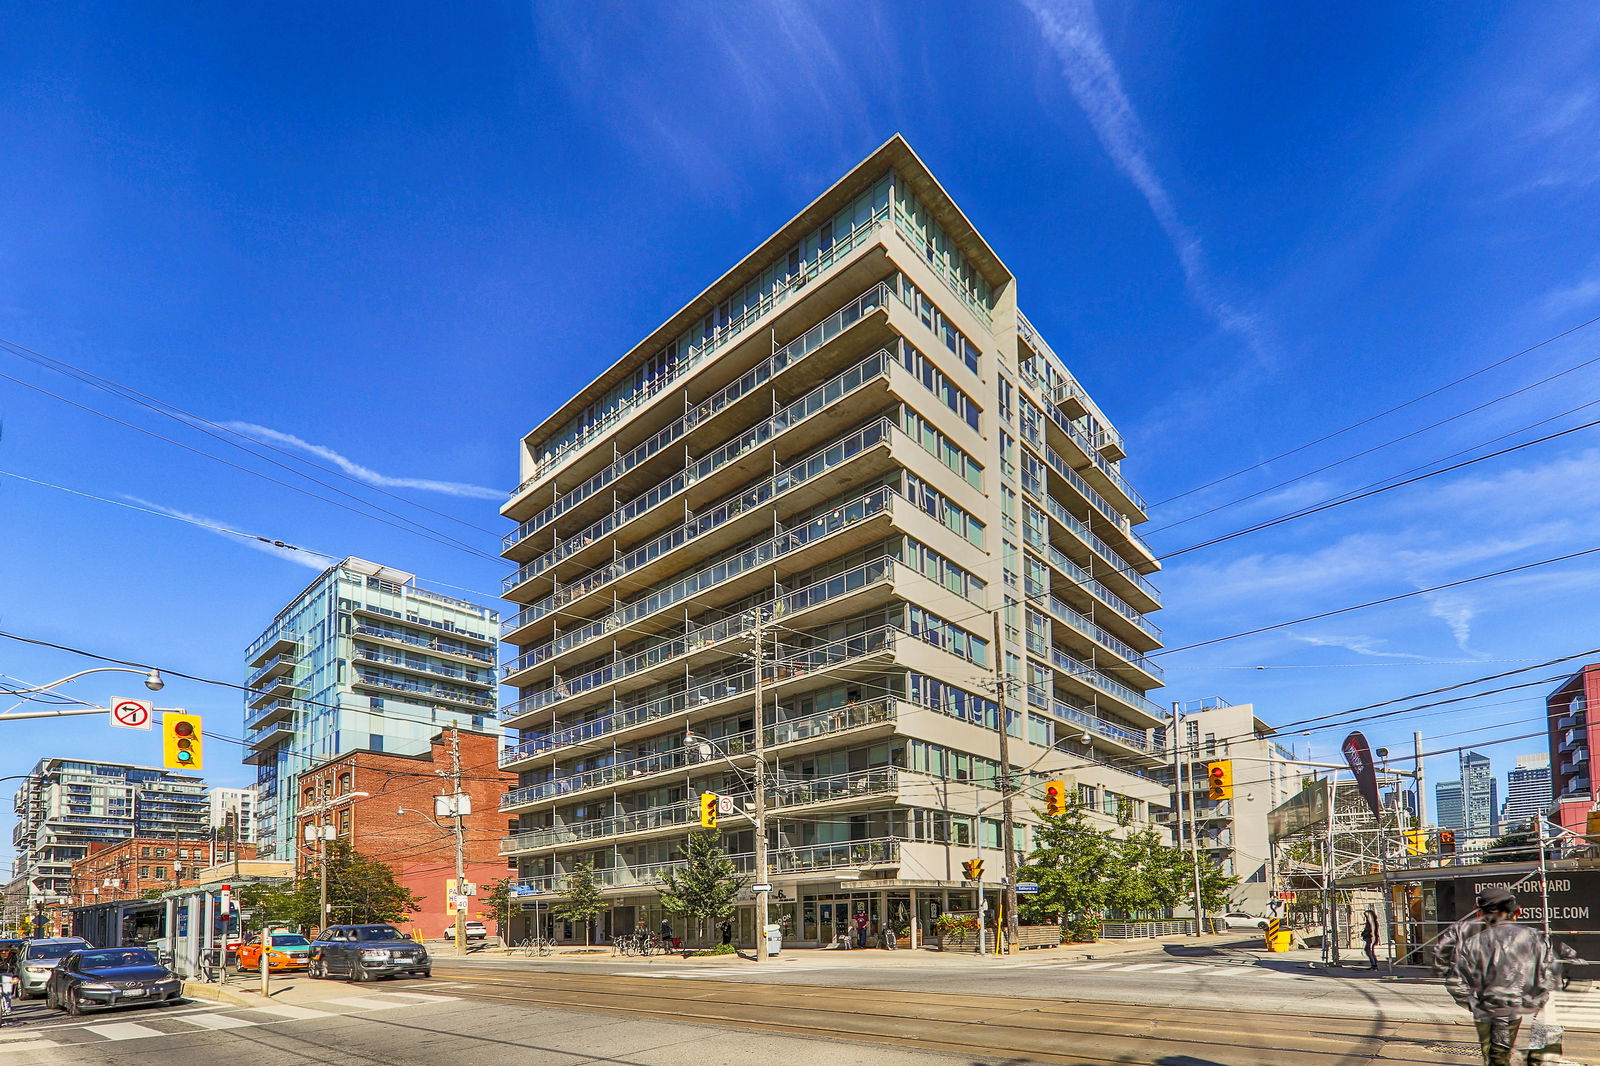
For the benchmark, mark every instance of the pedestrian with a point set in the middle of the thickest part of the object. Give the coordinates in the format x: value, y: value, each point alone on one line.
x: 1446, y: 943
x: 8, y: 991
x: 666, y: 933
x: 727, y: 931
x: 862, y: 921
x: 1370, y: 937
x: 1503, y: 975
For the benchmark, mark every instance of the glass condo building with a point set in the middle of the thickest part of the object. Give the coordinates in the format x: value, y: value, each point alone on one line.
x: 857, y: 434
x: 361, y: 659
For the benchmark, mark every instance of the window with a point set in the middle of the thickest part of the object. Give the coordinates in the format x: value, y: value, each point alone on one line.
x: 940, y: 447
x: 144, y: 853
x: 161, y: 872
x: 933, y: 379
x: 344, y: 783
x: 344, y: 821
x: 1007, y: 412
x: 144, y: 871
x: 938, y: 506
x: 1211, y: 743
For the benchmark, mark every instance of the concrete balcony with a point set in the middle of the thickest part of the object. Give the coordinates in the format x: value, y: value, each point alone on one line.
x: 842, y: 658
x: 422, y: 691
x: 271, y: 644
x: 430, y: 645
x: 279, y: 688
x: 266, y: 714
x: 280, y: 665
x: 1110, y: 568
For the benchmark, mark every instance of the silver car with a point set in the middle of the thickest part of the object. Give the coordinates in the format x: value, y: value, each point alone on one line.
x: 37, y: 958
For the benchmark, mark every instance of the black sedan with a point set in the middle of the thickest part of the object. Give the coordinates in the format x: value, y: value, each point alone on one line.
x: 366, y: 952
x: 103, y: 978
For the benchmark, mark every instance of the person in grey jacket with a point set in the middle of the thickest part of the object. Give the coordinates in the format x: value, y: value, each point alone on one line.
x: 1502, y: 975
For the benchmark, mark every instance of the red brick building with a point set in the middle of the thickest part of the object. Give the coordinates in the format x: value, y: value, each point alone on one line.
x: 129, y: 868
x: 420, y: 847
x: 1573, y: 710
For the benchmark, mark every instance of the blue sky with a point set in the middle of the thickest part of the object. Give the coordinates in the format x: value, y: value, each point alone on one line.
x: 401, y: 234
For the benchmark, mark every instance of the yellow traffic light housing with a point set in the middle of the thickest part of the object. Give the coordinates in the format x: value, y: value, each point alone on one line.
x: 973, y: 868
x: 1055, y: 798
x: 1220, y: 774
x: 182, y: 741
x: 708, y: 810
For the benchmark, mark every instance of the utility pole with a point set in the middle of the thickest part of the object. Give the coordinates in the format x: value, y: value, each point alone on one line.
x: 460, y: 833
x: 1194, y: 841
x: 1007, y: 832
x: 763, y: 886
x: 1178, y: 788
x: 322, y: 862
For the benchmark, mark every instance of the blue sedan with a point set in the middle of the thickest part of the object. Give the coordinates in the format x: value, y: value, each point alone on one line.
x: 104, y: 978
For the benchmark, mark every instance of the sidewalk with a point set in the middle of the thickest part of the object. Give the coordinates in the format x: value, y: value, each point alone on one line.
x: 295, y: 990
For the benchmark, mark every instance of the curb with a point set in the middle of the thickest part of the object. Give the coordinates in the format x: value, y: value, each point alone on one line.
x: 218, y: 994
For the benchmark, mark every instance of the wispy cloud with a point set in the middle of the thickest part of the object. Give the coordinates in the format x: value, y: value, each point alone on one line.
x: 1457, y: 612
x: 1360, y: 645
x: 1072, y: 29
x: 364, y: 473
x: 1579, y: 296
x: 288, y: 552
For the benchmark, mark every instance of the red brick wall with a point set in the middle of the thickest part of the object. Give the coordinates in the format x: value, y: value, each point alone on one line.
x: 124, y: 860
x: 421, y: 853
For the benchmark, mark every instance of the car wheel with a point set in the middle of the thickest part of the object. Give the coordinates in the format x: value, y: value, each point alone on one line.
x: 359, y: 973
x: 74, y: 1007
x: 315, y: 971
x: 424, y: 973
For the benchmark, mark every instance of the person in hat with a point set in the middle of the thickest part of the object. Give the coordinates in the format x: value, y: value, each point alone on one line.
x: 1503, y: 975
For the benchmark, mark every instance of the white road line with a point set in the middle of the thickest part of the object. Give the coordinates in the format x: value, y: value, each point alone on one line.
x: 1136, y: 966
x: 1090, y: 965
x: 28, y: 1045
x: 423, y: 997
x: 1186, y: 967
x: 285, y: 1010
x: 219, y: 1021
x: 123, y: 1030
x: 368, y: 1003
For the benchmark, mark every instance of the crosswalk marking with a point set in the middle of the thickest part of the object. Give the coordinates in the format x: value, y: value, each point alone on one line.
x: 422, y: 997
x: 1093, y: 966
x: 369, y: 1003
x: 1138, y: 966
x: 122, y: 1030
x: 27, y: 1045
x: 218, y: 1021
x: 286, y: 1010
x: 1185, y: 967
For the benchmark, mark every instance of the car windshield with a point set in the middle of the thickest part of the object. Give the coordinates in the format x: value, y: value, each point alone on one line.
x: 379, y: 932
x: 53, y: 951
x: 112, y: 960
x: 290, y: 940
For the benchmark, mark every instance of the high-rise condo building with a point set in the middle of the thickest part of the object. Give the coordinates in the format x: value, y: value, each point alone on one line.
x: 65, y: 806
x: 1480, y: 796
x: 1447, y: 805
x: 1527, y: 791
x: 361, y: 659
x: 855, y: 440
x: 1574, y: 737
x: 233, y: 814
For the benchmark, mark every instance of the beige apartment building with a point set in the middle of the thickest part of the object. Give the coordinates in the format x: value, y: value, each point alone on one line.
x: 856, y: 438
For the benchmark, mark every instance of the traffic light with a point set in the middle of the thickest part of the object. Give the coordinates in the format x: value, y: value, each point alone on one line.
x: 1220, y: 774
x: 1447, y: 842
x: 708, y: 810
x: 1055, y: 798
x: 973, y: 868
x: 1416, y: 842
x: 181, y: 741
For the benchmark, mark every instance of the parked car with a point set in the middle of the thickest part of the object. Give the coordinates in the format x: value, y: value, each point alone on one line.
x: 366, y: 952
x: 39, y: 957
x: 104, y: 978
x: 1241, y: 920
x: 475, y: 931
x: 286, y: 951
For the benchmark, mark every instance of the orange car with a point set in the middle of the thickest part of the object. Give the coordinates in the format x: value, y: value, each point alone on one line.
x: 286, y: 951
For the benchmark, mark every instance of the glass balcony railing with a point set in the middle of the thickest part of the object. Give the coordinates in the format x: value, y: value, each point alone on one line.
x: 881, y: 851
x: 417, y: 640
x: 1060, y: 561
x: 787, y: 540
x: 697, y: 354
x: 823, y: 396
x: 781, y: 360
x: 1091, y: 449
x: 278, y: 664
x: 1063, y: 612
x: 420, y: 688
x: 457, y: 673
x: 830, y: 458
x: 1093, y: 723
x: 1110, y: 686
x: 1112, y: 558
x: 706, y: 693
x: 1053, y: 459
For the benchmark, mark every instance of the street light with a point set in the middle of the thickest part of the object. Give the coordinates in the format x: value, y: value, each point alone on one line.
x: 152, y: 681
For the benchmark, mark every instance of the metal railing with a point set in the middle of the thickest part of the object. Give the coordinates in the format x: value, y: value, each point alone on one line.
x: 1107, y: 553
x: 482, y: 655
x: 422, y: 689
x: 1095, y: 724
x: 846, y: 854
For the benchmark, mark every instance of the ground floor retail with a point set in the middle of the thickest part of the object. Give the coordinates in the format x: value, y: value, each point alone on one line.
x: 811, y: 914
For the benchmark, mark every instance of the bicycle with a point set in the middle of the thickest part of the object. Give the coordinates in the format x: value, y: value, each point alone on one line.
x: 887, y: 939
x: 544, y: 945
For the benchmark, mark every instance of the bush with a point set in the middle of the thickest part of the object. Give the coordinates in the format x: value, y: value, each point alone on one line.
x: 1083, y: 930
x: 948, y: 924
x: 720, y: 949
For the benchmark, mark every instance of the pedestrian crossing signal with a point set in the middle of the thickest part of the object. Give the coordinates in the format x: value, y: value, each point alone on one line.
x: 1055, y: 798
x: 1447, y: 842
x: 1221, y: 775
x: 181, y: 740
x: 708, y: 810
x: 973, y: 868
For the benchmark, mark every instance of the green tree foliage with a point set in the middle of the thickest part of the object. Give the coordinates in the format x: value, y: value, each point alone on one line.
x: 499, y: 900
x: 583, y: 900
x: 705, y: 889
x: 1520, y: 845
x: 1084, y: 873
x: 360, y: 890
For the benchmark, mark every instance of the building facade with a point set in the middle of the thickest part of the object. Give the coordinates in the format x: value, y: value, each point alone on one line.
x: 131, y: 868
x: 1232, y: 832
x: 857, y: 440
x: 396, y: 822
x: 1527, y: 791
x: 1448, y: 808
x: 361, y: 660
x: 65, y: 807
x: 233, y: 815
x: 1480, y: 796
x: 1574, y: 736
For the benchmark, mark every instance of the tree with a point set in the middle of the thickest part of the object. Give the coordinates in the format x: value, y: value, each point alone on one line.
x: 706, y: 888
x: 499, y: 900
x: 1071, y: 863
x: 360, y: 890
x: 1520, y: 845
x: 583, y: 900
